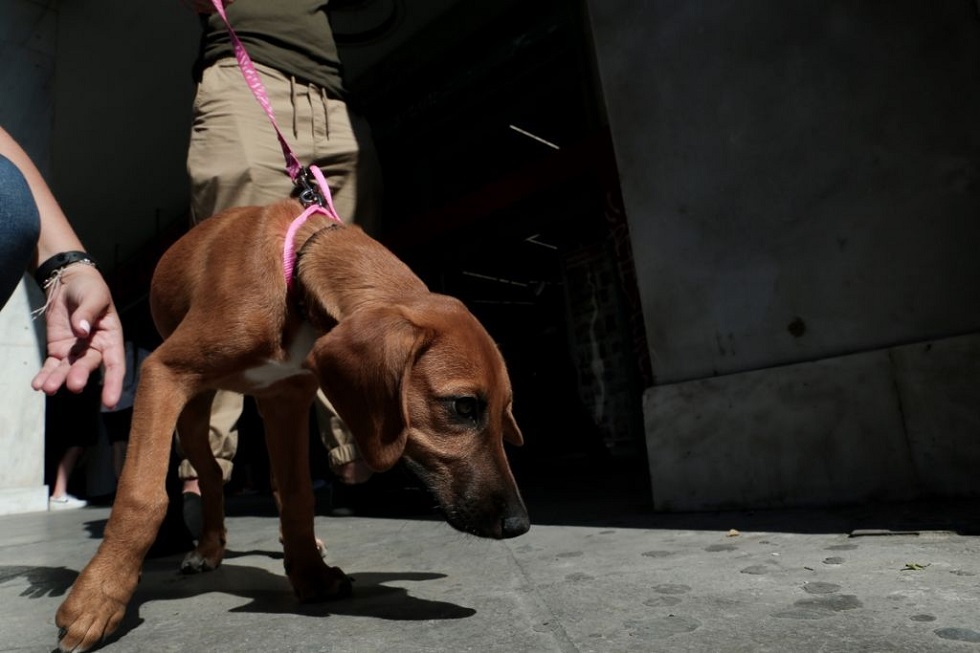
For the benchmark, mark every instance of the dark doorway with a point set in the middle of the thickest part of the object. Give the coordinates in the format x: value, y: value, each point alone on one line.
x: 502, y: 190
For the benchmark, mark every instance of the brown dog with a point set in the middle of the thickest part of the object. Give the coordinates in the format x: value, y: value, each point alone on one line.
x: 412, y: 373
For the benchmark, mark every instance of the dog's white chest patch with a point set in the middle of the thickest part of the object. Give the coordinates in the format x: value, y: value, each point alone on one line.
x: 271, y: 372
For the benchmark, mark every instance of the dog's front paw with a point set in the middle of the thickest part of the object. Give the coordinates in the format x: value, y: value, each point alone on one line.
x: 87, y: 616
x: 323, y: 583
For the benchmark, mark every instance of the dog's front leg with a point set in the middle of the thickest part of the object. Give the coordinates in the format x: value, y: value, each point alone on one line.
x: 97, y: 601
x: 285, y: 413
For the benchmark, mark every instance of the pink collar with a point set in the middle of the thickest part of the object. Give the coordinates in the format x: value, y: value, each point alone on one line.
x: 289, y: 246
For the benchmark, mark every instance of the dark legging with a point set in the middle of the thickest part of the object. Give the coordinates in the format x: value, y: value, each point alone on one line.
x: 20, y: 226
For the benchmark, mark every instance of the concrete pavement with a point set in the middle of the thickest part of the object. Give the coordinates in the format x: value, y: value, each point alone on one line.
x: 595, y: 573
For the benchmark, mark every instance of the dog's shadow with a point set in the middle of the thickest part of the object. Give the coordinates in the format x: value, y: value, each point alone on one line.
x: 267, y: 592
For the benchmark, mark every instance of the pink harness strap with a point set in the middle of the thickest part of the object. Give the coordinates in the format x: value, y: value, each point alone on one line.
x: 289, y: 246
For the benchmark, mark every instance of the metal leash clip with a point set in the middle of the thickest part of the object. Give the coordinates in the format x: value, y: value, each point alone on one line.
x: 309, y: 190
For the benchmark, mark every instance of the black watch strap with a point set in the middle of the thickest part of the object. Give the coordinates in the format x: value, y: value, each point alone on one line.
x: 58, y: 262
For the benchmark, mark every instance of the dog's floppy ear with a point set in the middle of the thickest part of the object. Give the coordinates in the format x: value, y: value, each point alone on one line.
x: 512, y: 433
x: 362, y: 365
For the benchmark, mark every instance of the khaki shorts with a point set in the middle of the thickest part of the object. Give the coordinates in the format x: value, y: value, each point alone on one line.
x: 234, y: 159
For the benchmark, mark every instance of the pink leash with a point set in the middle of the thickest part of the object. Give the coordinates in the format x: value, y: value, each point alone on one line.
x: 315, y: 194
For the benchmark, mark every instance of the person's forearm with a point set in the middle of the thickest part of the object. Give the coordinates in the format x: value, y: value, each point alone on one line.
x: 57, y: 234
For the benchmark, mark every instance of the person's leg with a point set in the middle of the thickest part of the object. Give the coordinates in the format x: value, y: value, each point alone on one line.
x: 222, y: 434
x: 72, y: 422
x: 65, y: 467
x: 341, y: 146
x: 322, y: 132
x: 345, y: 461
x: 233, y: 160
x: 344, y: 150
x: 117, y: 424
x: 20, y: 226
x: 223, y: 438
x: 60, y: 498
x: 118, y: 456
x: 231, y: 126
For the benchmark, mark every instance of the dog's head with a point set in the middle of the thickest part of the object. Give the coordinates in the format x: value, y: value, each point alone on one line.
x: 425, y: 381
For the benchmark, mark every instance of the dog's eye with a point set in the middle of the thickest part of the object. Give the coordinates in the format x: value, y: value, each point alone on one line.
x: 467, y: 408
x: 465, y: 411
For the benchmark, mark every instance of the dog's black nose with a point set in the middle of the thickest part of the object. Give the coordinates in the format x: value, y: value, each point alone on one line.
x: 515, y: 525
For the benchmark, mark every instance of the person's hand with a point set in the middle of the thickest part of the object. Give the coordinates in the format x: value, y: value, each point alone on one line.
x: 84, y: 332
x: 205, y: 6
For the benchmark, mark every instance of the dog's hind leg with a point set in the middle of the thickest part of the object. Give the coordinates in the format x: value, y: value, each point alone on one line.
x: 193, y: 431
x: 285, y: 413
x: 97, y: 601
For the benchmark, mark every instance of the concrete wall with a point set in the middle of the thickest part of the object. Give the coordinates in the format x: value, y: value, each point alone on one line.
x: 801, y: 182
x: 887, y: 424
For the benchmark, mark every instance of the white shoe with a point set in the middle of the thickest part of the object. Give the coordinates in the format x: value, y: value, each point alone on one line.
x: 66, y: 502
